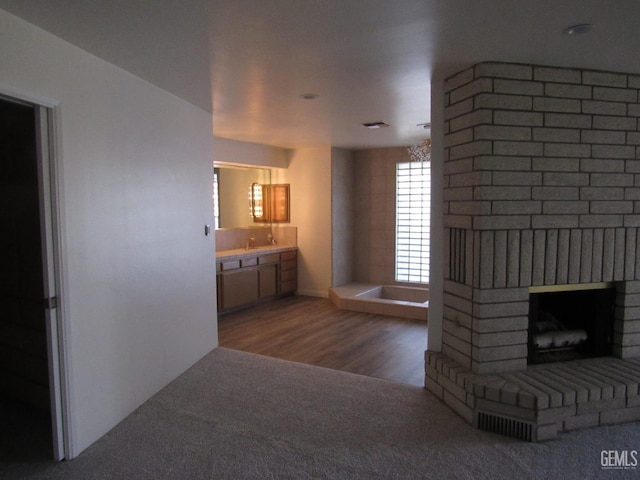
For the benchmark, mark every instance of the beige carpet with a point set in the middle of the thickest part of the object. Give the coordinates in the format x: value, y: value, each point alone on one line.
x: 236, y: 415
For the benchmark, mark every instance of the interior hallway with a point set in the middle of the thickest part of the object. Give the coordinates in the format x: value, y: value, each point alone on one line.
x: 313, y: 331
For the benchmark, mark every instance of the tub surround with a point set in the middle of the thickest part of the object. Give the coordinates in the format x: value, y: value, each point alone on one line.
x: 392, y: 300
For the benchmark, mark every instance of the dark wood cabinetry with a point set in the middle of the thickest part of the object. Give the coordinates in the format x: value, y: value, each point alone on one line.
x: 244, y: 281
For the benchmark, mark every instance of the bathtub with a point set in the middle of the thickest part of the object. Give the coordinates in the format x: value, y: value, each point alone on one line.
x: 393, y: 300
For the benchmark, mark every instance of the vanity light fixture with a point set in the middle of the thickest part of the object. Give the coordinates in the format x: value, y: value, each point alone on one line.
x: 376, y: 125
x: 579, y: 29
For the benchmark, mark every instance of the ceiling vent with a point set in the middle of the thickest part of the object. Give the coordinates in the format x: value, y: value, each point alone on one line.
x: 376, y: 125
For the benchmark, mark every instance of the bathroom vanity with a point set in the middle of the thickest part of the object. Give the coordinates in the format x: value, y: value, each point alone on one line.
x: 248, y: 276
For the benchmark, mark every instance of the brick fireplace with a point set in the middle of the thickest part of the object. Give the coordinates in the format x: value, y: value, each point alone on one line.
x: 541, y: 194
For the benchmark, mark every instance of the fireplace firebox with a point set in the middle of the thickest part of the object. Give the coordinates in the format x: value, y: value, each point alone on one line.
x: 570, y: 324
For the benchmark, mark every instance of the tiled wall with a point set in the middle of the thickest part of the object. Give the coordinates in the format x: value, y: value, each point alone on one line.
x: 541, y: 187
x: 233, y: 238
x: 374, y: 239
x: 342, y: 216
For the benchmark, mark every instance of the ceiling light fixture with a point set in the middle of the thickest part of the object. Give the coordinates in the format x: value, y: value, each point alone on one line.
x: 376, y: 125
x: 426, y: 126
x: 580, y: 29
x: 309, y: 96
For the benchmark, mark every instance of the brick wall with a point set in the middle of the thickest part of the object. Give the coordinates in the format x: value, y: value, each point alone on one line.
x: 541, y: 187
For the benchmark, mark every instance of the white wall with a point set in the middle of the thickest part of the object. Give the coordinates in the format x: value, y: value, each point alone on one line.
x: 246, y: 153
x: 309, y: 175
x: 135, y: 172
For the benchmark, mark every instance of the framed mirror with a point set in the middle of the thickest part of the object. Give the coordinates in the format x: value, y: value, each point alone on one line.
x: 231, y: 200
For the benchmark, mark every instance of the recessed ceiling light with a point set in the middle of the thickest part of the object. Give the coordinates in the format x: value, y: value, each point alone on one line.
x: 376, y: 125
x: 580, y: 29
x: 309, y: 96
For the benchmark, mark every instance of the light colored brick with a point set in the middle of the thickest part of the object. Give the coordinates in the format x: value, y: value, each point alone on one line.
x: 602, y: 193
x: 614, y: 123
x: 554, y: 221
x: 613, y: 151
x: 502, y: 163
x: 567, y: 120
x: 501, y: 222
x: 477, y: 117
x: 459, y: 79
x: 611, y: 180
x: 489, y: 325
x: 556, y: 164
x: 633, y: 138
x: 611, y: 207
x: 600, y: 221
x: 621, y: 415
x: 496, y: 310
x: 602, y: 166
x: 456, y: 138
x: 504, y: 70
x: 458, y: 109
x: 582, y: 421
x: 527, y: 149
x: 606, y: 79
x: 555, y: 193
x: 502, y: 102
x: 615, y: 94
x: 563, y: 90
x: 598, y: 107
x: 567, y: 150
x: 603, y: 136
x: 458, y: 166
x: 520, y: 207
x: 489, y: 354
x: 517, y: 178
x: 565, y: 179
x: 560, y: 75
x: 518, y: 87
x: 564, y: 207
x: 503, y: 193
x: 563, y: 135
x: 525, y: 119
x: 472, y: 149
x: 471, y: 89
x: 495, y: 339
x: 558, y: 105
x: 493, y: 132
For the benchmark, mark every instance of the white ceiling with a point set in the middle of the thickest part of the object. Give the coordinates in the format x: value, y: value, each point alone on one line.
x: 368, y: 60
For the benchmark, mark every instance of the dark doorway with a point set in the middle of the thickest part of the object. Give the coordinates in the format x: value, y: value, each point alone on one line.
x: 24, y: 373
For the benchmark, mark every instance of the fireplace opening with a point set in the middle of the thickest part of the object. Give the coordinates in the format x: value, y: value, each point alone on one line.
x: 570, y: 324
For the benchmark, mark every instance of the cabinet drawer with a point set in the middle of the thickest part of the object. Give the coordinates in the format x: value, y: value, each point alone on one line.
x: 230, y: 265
x: 288, y: 287
x: 287, y: 276
x: 290, y: 265
x: 285, y: 256
x: 266, y: 259
x: 249, y: 262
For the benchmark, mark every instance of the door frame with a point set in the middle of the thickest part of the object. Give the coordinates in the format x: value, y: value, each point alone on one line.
x: 50, y: 194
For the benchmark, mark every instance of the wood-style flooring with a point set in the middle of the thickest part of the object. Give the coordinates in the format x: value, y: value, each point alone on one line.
x: 313, y: 331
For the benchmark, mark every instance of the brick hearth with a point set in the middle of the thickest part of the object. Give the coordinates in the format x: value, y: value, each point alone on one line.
x: 541, y: 188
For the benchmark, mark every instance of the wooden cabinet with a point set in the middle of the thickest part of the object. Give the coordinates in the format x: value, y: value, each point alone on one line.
x: 288, y: 272
x: 241, y: 282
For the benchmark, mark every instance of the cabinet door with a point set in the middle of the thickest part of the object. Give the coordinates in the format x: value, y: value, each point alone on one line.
x: 239, y: 288
x: 267, y: 277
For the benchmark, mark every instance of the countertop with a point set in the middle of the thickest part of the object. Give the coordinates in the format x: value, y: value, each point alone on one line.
x: 239, y: 253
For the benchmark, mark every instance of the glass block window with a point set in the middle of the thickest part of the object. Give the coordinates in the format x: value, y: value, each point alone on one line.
x: 413, y: 216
